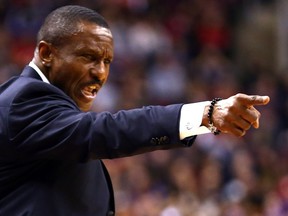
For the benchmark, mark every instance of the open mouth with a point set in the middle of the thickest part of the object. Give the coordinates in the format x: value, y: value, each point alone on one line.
x: 90, y: 91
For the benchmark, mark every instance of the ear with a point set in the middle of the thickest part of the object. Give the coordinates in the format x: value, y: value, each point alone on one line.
x: 45, y: 51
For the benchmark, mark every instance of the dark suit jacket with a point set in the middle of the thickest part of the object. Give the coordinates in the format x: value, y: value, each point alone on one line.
x: 50, y: 151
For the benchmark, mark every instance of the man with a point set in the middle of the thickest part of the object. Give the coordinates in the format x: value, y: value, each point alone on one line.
x: 51, y: 145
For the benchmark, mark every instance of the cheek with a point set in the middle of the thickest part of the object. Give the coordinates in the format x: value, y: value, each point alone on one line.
x: 63, y: 80
x: 67, y: 75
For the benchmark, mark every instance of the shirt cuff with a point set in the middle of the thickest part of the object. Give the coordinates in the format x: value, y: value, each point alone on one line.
x: 191, y: 119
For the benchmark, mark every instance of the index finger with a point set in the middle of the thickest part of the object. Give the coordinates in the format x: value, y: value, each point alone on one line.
x: 251, y: 100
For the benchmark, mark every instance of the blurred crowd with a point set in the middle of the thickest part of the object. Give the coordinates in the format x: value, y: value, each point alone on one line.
x: 169, y: 51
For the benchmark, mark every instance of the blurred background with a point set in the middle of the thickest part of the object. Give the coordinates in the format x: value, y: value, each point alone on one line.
x: 169, y: 51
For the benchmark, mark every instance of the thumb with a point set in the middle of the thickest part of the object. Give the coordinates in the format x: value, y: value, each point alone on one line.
x: 256, y: 123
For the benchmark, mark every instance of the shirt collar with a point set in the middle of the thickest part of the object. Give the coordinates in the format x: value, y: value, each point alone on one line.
x: 36, y: 68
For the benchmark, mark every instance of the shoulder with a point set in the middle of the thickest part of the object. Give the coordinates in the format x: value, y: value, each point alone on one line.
x: 25, y: 89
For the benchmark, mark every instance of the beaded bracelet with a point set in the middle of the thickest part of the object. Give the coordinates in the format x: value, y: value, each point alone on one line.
x: 211, y: 127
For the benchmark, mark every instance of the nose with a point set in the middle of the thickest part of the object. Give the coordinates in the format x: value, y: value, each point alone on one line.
x: 99, y: 70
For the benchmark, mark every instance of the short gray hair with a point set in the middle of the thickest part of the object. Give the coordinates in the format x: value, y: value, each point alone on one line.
x: 63, y: 22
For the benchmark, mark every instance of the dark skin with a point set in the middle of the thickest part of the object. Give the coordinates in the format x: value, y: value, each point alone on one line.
x: 80, y: 67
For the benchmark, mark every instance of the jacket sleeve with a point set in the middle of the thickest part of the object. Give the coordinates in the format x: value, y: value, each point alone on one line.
x: 47, y: 124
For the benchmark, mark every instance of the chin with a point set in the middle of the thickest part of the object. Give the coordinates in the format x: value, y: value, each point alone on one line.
x: 84, y: 107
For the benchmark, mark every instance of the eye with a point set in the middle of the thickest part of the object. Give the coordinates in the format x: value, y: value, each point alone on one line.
x: 107, y: 61
x: 89, y: 57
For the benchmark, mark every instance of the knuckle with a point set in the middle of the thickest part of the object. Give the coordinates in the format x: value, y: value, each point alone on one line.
x: 254, y: 98
x: 239, y: 95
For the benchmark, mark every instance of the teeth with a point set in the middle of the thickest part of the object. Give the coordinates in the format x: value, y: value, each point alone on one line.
x: 92, y: 88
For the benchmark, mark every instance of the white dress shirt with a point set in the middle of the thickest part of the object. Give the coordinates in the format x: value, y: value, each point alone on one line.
x: 35, y: 67
x: 191, y: 119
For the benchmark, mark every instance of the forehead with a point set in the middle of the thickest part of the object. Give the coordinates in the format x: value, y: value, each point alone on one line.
x: 88, y: 27
x: 92, y: 35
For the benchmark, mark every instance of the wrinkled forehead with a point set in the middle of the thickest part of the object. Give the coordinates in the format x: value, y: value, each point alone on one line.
x: 91, y: 36
x: 94, y: 29
x: 103, y: 31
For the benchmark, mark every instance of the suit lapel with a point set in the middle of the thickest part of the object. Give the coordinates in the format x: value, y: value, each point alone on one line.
x: 30, y: 72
